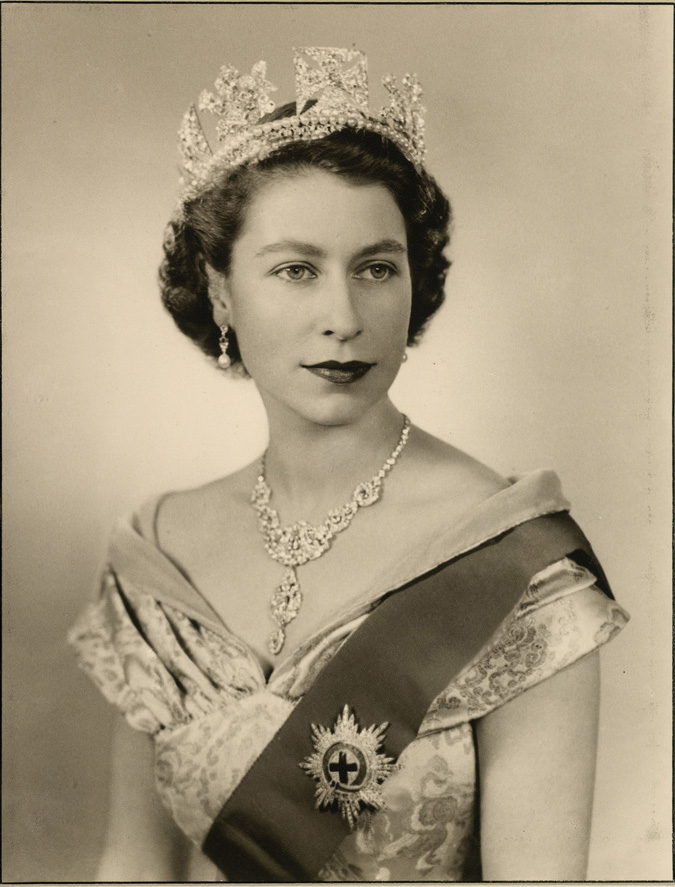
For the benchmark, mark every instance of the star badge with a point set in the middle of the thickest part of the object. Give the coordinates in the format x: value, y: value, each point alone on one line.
x: 348, y: 767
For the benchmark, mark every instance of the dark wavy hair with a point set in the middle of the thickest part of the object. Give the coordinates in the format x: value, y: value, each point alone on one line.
x: 212, y: 221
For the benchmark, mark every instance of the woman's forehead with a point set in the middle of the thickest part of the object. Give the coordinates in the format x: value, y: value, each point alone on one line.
x: 317, y: 206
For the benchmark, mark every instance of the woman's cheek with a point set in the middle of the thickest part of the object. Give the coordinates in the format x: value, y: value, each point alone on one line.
x: 262, y: 339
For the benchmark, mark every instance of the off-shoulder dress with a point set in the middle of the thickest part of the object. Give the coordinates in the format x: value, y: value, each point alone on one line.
x: 158, y: 651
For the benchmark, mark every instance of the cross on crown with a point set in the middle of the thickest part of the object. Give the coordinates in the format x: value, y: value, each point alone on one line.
x: 331, y: 82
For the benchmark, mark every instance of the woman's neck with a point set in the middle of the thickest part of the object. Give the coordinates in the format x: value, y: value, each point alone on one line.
x: 312, y: 468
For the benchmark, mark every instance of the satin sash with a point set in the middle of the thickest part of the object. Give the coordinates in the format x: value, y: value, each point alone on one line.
x: 390, y: 669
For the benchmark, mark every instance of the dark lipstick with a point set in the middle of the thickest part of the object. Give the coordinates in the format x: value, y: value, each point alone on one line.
x: 339, y: 373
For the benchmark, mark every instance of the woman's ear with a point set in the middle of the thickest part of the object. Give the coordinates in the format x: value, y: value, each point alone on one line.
x: 219, y: 296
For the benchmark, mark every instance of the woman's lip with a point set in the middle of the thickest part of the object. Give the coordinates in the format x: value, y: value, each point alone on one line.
x: 340, y: 374
x: 339, y: 365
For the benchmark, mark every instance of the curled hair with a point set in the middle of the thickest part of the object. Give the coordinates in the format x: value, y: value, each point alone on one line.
x: 212, y: 221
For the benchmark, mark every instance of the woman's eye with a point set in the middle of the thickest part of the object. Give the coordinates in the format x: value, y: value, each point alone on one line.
x: 295, y: 272
x: 377, y: 271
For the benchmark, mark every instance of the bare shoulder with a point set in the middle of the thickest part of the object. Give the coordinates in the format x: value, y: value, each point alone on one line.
x: 441, y: 471
x: 189, y: 519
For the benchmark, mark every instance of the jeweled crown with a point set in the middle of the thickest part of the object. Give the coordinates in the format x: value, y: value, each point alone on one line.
x: 331, y: 91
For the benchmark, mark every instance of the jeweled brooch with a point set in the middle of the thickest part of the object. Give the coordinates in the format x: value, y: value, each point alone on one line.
x: 348, y: 767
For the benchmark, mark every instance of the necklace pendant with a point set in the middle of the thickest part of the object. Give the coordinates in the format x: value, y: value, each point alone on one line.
x: 287, y: 598
x: 277, y: 641
x: 285, y: 605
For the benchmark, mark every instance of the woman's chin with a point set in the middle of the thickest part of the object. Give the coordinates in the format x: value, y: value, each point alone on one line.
x: 323, y: 402
x: 338, y: 408
x: 341, y: 411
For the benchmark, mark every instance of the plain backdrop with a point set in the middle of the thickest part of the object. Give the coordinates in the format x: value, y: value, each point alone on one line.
x: 549, y: 127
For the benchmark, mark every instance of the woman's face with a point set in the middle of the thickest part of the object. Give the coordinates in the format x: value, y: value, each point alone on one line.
x: 319, y: 295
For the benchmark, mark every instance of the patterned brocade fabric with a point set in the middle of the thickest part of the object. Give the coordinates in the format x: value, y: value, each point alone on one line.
x: 200, y: 692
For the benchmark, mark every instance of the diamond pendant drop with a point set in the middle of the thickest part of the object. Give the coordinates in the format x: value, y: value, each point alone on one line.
x: 285, y: 605
x: 287, y: 598
x: 277, y: 641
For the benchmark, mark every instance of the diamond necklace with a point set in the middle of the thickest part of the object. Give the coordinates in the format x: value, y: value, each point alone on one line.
x: 300, y: 542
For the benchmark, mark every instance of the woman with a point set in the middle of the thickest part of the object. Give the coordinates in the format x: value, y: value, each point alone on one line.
x: 329, y: 646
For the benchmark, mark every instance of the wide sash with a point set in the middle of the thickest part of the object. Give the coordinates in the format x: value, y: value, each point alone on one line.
x: 390, y: 669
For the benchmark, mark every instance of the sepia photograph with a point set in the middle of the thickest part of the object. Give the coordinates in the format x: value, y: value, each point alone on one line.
x: 337, y: 370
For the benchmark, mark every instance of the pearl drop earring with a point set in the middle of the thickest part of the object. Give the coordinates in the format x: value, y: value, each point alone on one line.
x: 224, y: 361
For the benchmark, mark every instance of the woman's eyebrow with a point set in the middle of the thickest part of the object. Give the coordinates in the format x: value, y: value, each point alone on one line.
x: 309, y: 249
x: 382, y: 246
x: 297, y: 246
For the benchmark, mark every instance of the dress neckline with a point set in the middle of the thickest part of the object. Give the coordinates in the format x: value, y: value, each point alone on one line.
x: 136, y: 558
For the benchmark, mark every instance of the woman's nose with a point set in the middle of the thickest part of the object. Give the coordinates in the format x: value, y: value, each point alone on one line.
x: 340, y: 317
